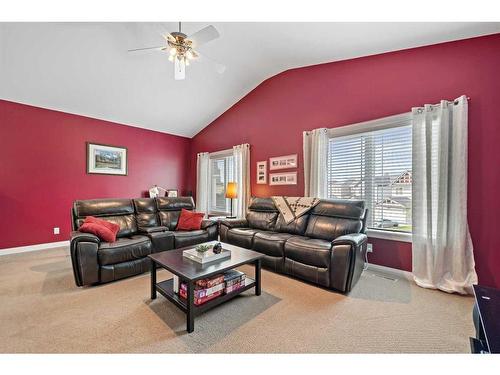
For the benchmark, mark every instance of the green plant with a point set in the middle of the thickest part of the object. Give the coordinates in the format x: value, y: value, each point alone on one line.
x: 202, y: 248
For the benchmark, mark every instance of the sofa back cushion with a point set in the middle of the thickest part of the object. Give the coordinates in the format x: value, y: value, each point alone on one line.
x: 297, y: 227
x: 118, y: 211
x: 169, y: 209
x: 146, y: 212
x: 330, y: 219
x: 262, y: 214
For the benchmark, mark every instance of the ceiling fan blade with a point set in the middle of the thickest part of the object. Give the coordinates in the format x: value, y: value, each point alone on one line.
x: 220, y: 68
x: 168, y: 37
x: 146, y: 48
x: 204, y: 35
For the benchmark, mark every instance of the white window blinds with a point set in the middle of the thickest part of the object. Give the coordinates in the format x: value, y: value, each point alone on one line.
x: 221, y: 172
x: 374, y: 166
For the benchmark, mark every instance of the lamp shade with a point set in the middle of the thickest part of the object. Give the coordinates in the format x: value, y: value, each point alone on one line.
x: 232, y: 190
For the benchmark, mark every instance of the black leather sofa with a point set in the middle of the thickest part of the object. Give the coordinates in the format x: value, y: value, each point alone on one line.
x: 326, y: 246
x: 147, y: 225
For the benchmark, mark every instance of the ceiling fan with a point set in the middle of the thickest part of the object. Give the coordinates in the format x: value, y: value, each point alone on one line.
x: 181, y: 49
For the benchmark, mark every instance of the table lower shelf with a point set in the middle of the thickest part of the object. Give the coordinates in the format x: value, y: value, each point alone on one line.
x: 166, y: 289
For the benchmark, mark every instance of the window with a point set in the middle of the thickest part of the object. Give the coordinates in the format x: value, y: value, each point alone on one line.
x: 374, y: 164
x: 221, y: 172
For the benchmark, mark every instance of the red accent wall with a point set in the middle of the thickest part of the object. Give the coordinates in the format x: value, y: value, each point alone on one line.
x: 43, y: 169
x: 271, y: 119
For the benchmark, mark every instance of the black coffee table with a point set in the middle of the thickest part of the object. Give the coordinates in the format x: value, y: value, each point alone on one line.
x: 190, y: 271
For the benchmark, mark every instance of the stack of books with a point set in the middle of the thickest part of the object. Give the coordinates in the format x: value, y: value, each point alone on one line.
x: 213, y: 287
x: 233, y: 280
x: 205, y: 289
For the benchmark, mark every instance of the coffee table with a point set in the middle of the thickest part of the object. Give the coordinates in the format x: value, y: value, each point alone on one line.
x: 190, y: 271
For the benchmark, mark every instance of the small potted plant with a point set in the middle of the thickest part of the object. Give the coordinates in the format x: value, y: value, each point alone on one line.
x: 202, y: 249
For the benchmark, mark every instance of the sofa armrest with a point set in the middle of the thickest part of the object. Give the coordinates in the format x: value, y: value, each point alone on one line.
x: 354, y: 239
x: 207, y: 223
x: 84, y: 237
x: 83, y: 250
x: 234, y: 223
x: 146, y: 230
x: 347, y: 260
x: 212, y: 229
x: 161, y: 240
x: 227, y: 224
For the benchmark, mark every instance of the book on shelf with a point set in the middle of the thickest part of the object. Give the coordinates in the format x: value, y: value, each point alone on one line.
x: 209, y: 282
x: 234, y: 287
x: 200, y: 293
x: 176, y: 284
x: 202, y: 300
x: 233, y: 276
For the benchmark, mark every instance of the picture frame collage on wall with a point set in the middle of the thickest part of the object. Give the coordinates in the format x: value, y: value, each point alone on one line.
x: 262, y: 172
x: 278, y: 163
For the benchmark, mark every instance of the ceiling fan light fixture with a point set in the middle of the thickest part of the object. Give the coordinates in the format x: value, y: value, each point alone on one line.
x: 180, y: 48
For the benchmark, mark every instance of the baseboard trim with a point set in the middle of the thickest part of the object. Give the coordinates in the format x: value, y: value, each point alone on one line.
x: 392, y: 271
x: 25, y: 249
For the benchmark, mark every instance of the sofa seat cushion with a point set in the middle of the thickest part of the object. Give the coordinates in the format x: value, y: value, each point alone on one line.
x: 189, y: 238
x: 124, y: 249
x: 310, y: 251
x: 270, y: 243
x: 242, y: 237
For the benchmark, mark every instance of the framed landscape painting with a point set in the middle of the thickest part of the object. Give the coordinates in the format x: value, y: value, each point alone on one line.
x: 106, y: 159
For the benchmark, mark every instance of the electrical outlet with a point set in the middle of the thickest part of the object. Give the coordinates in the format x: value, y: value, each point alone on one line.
x: 369, y: 248
x: 56, y: 230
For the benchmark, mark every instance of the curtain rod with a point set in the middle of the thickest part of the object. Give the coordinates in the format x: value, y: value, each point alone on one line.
x: 449, y: 101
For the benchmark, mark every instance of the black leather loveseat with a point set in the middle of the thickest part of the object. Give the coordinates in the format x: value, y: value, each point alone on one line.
x: 326, y: 246
x: 147, y: 225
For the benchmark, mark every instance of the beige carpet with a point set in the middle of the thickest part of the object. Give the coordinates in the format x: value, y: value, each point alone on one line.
x: 41, y: 310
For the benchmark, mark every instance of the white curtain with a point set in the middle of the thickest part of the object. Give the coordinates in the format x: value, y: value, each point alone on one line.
x: 202, y: 182
x: 442, y: 246
x: 241, y: 155
x: 315, y: 157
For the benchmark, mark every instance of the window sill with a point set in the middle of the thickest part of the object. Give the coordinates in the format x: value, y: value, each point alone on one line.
x: 218, y: 213
x: 388, y: 235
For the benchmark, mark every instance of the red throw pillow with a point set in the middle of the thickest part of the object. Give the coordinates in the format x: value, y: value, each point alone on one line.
x: 189, y: 220
x: 99, y: 230
x: 115, y: 228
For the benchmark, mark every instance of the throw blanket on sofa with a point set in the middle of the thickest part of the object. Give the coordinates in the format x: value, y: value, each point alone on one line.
x: 293, y: 207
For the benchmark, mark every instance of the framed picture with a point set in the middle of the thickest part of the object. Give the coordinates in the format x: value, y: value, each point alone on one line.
x: 283, y: 162
x: 106, y: 159
x: 172, y: 193
x: 262, y: 172
x: 285, y: 178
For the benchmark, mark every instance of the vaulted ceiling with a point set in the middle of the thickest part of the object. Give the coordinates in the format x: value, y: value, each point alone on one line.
x: 84, y: 68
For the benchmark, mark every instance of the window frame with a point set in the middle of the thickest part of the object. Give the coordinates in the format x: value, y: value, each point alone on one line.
x: 402, y: 119
x: 217, y: 155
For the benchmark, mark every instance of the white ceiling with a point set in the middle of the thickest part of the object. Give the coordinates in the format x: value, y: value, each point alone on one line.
x: 84, y: 68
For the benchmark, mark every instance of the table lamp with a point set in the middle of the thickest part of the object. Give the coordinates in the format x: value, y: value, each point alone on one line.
x: 231, y: 193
